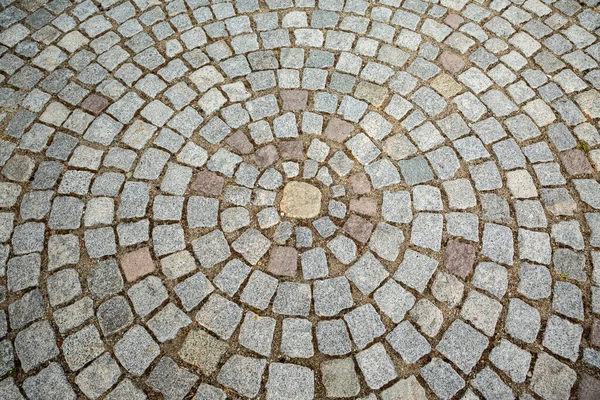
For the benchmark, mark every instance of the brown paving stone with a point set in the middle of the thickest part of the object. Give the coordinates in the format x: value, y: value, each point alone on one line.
x: 359, y: 183
x: 459, y: 258
x: 453, y: 20
x: 364, y: 205
x: 445, y: 85
x: 283, y: 261
x: 94, y: 104
x: 291, y: 150
x: 595, y: 335
x: 452, y: 62
x: 137, y: 263
x: 576, y: 162
x: 589, y: 388
x: 208, y: 183
x: 371, y: 92
x: 240, y: 142
x: 294, y: 100
x: 300, y: 200
x: 202, y: 350
x: 265, y: 156
x: 338, y: 130
x: 358, y: 228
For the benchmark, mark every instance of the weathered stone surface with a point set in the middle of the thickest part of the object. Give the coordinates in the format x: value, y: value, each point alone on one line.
x: 300, y: 200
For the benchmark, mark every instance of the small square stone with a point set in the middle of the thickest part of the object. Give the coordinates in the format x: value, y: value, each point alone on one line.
x: 220, y: 316
x: 202, y: 350
x: 137, y: 263
x: 193, y: 290
x: 136, y: 350
x: 522, y: 321
x: 376, y: 366
x: 463, y: 345
x: 242, y: 374
x: 283, y: 261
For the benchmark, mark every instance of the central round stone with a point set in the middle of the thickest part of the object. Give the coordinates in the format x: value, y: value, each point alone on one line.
x: 300, y: 200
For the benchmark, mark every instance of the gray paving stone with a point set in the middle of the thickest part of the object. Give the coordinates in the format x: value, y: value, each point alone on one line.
x: 290, y: 381
x: 447, y: 288
x: 193, y: 290
x: 63, y: 286
x: 252, y: 245
x: 562, y: 337
x: 114, y: 315
x: 171, y: 380
x: 551, y: 378
x: 256, y: 333
x: 136, y: 350
x: 522, y: 321
x: 340, y: 378
x: 211, y: 249
x: 207, y: 392
x: 498, y: 243
x: 49, y: 383
x: 408, y: 342
x: 332, y: 296
x: 567, y: 300
x: 219, y: 315
x: 492, y: 278
x: 231, y: 277
x: 202, y: 351
x: 482, y: 311
x: 242, y: 374
x: 23, y: 272
x: 147, y: 295
x: 367, y: 273
x: 512, y: 360
x: 75, y: 315
x: 82, y: 347
x: 292, y: 299
x: 490, y: 384
x: 30, y: 307
x: 35, y: 345
x: 376, y: 366
x: 442, y: 378
x: 98, y: 377
x: 105, y: 279
x: 463, y: 345
x: 415, y: 270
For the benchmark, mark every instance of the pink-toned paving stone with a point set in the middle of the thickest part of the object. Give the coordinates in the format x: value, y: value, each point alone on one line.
x: 208, y: 183
x: 137, y: 263
x: 283, y: 261
x: 589, y: 388
x: 291, y: 150
x: 452, y: 62
x: 576, y: 162
x: 364, y: 205
x: 94, y: 104
x: 454, y: 20
x: 265, y: 156
x: 338, y: 130
x: 459, y: 258
x: 358, y: 228
x: 294, y: 100
x: 359, y: 183
x: 240, y: 142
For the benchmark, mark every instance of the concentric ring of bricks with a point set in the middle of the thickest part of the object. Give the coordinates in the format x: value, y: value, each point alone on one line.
x: 226, y: 202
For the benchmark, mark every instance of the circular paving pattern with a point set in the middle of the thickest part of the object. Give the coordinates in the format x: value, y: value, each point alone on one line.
x: 279, y: 200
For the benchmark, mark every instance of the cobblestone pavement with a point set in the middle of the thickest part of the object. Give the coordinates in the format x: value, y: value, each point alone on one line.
x: 278, y: 200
